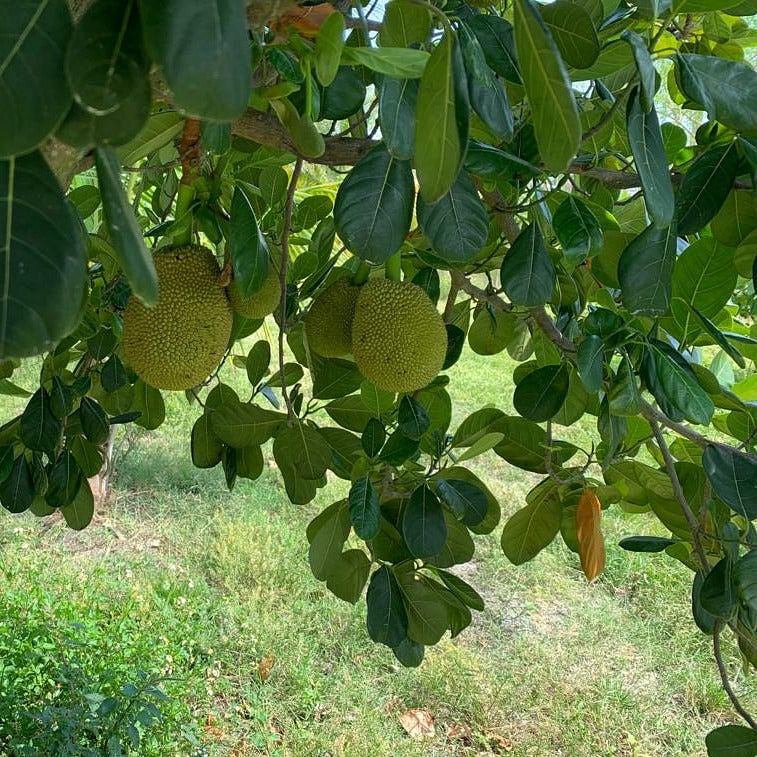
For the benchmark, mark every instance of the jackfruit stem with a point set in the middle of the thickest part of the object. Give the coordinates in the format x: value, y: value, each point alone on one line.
x: 184, y: 199
x: 393, y: 267
x: 362, y: 273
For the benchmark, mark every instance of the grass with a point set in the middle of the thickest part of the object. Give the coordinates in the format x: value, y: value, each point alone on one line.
x: 212, y: 591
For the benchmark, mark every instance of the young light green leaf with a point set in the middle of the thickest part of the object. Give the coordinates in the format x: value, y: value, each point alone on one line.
x: 401, y: 63
x: 405, y: 24
x: 548, y: 88
x: 328, y: 48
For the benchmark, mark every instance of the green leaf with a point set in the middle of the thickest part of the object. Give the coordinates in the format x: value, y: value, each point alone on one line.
x: 524, y: 444
x: 548, y: 88
x: 203, y: 49
x: 720, y: 339
x: 645, y: 67
x: 334, y: 377
x: 645, y: 271
x: 373, y: 437
x: 34, y: 93
x: 718, y: 592
x: 423, y: 525
x: 149, y: 402
x: 39, y: 429
x: 490, y: 333
x: 40, y: 241
x: 648, y: 151
x: 350, y: 413
x: 481, y: 445
x: 397, y: 104
x: 17, y: 491
x: 733, y: 476
x: 462, y: 590
x: 726, y: 89
x: 457, y: 224
x: 745, y: 575
x: 248, y: 246
x: 125, y: 233
x: 490, y: 163
x: 159, y: 130
x: 679, y: 384
x: 364, y: 508
x: 441, y: 121
x: 404, y: 24
x: 731, y: 741
x: 540, y: 394
x: 341, y: 99
x: 292, y: 372
x: 258, y: 360
x: 497, y: 39
x: 94, y: 421
x: 349, y: 575
x: 577, y: 229
x: 412, y: 418
x: 401, y: 63
x: 705, y: 187
x: 64, y: 479
x: 327, y: 536
x: 534, y: 526
x: 645, y: 543
x: 309, y: 453
x: 328, y: 48
x: 465, y: 499
x: 374, y: 206
x: 590, y: 362
x: 87, y: 456
x: 624, y: 397
x: 426, y: 611
x: 244, y: 425
x: 205, y: 446
x: 487, y: 96
x: 387, y: 618
x: 573, y: 32
x: 527, y: 274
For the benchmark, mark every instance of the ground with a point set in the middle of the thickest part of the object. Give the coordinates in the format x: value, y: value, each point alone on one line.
x: 212, y: 592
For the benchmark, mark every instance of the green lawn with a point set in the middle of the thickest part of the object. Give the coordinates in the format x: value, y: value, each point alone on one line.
x: 180, y: 579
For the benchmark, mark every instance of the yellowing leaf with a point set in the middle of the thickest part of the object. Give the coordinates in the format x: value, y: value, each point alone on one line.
x: 591, y: 543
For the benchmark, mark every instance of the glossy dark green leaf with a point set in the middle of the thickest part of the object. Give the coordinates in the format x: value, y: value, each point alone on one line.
x: 731, y: 741
x: 718, y: 593
x: 645, y: 67
x: 248, y: 246
x: 645, y: 543
x: 412, y: 419
x: 457, y: 224
x: 364, y: 508
x: 527, y: 273
x: 344, y: 96
x: 79, y: 512
x: 705, y: 187
x: 17, y: 491
x: 462, y: 590
x: 64, y: 478
x: 465, y: 499
x: 540, y: 394
x: 387, y: 619
x: 245, y: 425
x: 488, y: 97
x: 373, y: 437
x: 303, y: 444
x: 34, y: 93
x: 497, y: 39
x: 374, y: 206
x: 203, y: 49
x: 726, y: 89
x: 349, y: 575
x: 409, y: 653
x: 719, y: 338
x: 334, y: 377
x: 704, y: 620
x: 745, y: 575
x: 148, y: 401
x: 39, y: 428
x: 397, y: 103
x: 490, y: 163
x: 648, y: 151
x: 426, y: 612
x: 327, y: 534
x: 350, y: 413
x: 573, y: 32
x: 534, y: 526
x: 41, y: 242
x: 590, y: 362
x: 423, y: 525
x: 548, y: 89
x: 733, y: 476
x: 125, y: 233
x: 428, y: 280
x: 577, y: 229
x: 94, y: 421
x: 645, y: 271
x: 258, y: 360
x: 441, y: 134
x: 205, y: 446
x: 524, y: 444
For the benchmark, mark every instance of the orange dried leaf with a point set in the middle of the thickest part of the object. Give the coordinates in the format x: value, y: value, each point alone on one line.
x: 591, y: 543
x: 264, y: 667
x: 305, y: 20
x: 418, y: 723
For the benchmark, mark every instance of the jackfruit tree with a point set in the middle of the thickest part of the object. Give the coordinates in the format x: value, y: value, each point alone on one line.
x: 385, y: 187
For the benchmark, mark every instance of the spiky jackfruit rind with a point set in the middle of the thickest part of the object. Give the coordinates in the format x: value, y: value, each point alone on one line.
x: 398, y: 337
x: 328, y: 324
x: 178, y: 343
x: 263, y: 302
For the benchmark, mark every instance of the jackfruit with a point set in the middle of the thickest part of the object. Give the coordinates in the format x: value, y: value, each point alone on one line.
x: 180, y: 341
x: 399, y: 340
x: 328, y: 324
x: 263, y: 302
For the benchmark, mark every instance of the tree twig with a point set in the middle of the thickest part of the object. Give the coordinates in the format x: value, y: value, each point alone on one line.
x: 724, y: 677
x: 283, y: 269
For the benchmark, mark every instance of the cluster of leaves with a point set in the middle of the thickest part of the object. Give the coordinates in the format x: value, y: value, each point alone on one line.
x: 515, y: 152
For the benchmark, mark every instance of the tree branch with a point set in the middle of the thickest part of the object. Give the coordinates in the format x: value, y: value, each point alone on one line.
x: 726, y: 679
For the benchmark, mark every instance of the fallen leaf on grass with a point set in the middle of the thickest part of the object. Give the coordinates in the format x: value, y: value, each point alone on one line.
x: 499, y: 744
x: 418, y: 723
x: 264, y: 667
x: 459, y: 732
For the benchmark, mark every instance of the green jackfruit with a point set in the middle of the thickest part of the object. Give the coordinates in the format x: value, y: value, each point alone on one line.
x: 263, y: 302
x: 399, y: 340
x: 328, y: 324
x: 180, y: 341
